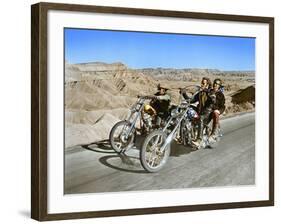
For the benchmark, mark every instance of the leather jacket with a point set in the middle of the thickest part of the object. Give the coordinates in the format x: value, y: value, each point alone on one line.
x: 161, y: 103
x: 208, y: 100
x: 218, y: 100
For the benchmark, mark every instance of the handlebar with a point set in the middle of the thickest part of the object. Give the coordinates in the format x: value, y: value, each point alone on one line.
x: 146, y: 97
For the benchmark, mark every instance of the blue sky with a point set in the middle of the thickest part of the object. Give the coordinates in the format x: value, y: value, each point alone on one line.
x: 151, y: 50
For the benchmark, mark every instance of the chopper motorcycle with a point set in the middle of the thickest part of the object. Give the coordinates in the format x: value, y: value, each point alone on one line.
x: 183, y: 125
x: 141, y: 120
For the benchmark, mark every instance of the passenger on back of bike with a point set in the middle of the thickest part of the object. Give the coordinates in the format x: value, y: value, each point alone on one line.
x: 218, y: 98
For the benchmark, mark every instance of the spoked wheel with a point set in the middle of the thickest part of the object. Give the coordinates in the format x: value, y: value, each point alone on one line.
x: 151, y: 156
x: 118, y: 138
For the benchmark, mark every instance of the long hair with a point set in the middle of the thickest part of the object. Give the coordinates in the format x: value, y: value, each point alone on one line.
x: 208, y: 81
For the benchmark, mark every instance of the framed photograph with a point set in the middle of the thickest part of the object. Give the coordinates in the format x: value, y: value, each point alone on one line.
x: 139, y: 111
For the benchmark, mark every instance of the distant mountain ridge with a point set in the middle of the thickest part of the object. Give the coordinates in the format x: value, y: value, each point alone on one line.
x: 97, y: 65
x: 100, y: 66
x: 185, y: 74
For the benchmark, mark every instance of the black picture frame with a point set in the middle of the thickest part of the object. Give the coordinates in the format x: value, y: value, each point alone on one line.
x: 39, y: 108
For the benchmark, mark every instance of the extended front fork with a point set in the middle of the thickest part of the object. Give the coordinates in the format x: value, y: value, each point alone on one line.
x: 133, y: 123
x: 171, y: 135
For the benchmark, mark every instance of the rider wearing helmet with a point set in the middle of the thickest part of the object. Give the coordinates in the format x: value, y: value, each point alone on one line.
x: 218, y: 98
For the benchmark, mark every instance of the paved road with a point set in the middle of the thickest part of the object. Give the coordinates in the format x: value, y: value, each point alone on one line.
x: 97, y: 168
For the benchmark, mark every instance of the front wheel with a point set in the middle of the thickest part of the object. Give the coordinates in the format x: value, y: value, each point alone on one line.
x: 118, y: 138
x: 151, y: 156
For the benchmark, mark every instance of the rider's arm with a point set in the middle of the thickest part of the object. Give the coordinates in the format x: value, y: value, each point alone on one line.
x: 164, y: 97
x: 195, y: 98
x: 220, y: 102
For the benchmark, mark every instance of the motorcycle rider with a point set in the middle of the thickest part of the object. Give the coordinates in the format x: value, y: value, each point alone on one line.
x: 161, y: 103
x: 218, y: 98
x: 204, y: 107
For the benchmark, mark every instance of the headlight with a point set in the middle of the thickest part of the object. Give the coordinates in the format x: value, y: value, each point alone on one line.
x: 191, y: 113
x: 174, y: 112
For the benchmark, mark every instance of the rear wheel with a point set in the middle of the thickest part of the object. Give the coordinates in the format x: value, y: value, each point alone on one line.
x: 151, y: 156
x: 118, y: 138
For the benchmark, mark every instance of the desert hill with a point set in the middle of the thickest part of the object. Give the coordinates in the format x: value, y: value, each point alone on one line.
x: 115, y: 86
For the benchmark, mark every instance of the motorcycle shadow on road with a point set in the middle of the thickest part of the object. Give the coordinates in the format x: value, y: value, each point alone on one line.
x: 99, y: 147
x: 123, y: 162
x: 178, y: 149
x: 129, y: 162
x: 104, y: 146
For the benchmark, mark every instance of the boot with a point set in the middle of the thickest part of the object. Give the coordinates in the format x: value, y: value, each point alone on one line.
x: 214, y: 133
x: 198, y: 141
